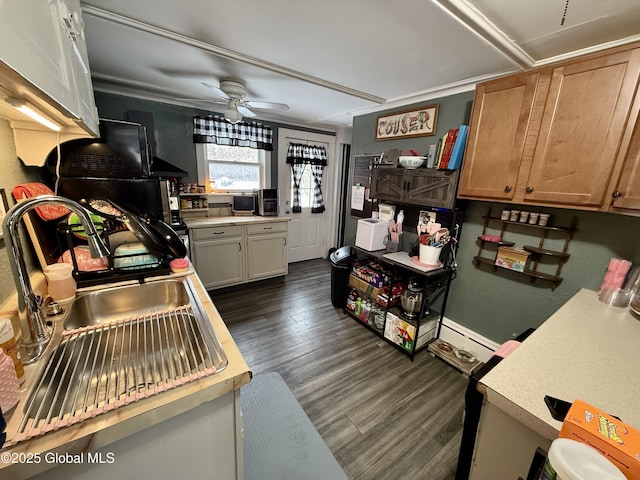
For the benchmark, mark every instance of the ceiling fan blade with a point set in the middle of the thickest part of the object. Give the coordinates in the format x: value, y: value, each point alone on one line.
x: 245, y: 111
x: 205, y: 100
x: 268, y: 105
x: 218, y: 91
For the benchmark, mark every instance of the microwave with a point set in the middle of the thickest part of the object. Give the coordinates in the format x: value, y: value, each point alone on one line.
x: 243, y: 204
x: 268, y: 200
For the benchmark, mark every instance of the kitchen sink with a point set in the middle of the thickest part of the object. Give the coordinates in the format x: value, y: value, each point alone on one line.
x: 112, y: 304
x: 119, y: 345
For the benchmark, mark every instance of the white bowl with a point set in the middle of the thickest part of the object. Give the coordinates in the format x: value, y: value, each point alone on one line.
x: 411, y: 161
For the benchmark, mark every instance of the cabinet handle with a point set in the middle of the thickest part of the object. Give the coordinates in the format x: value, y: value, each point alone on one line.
x: 617, y: 194
x: 507, y: 189
x: 218, y: 233
x: 528, y: 189
x: 285, y: 241
x: 239, y: 246
x: 267, y: 228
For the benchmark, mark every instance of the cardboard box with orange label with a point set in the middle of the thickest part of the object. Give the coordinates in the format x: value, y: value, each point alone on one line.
x: 616, y: 440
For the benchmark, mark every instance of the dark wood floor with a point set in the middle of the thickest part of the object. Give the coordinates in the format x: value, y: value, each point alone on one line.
x: 382, y: 416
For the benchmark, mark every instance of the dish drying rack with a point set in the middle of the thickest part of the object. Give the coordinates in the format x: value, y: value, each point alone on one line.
x: 112, y: 273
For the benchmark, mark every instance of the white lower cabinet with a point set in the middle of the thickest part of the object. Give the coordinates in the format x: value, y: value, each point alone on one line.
x: 229, y: 255
x: 207, y: 442
x: 218, y: 255
x: 266, y: 251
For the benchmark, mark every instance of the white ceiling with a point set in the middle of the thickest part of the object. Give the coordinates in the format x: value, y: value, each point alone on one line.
x: 333, y: 59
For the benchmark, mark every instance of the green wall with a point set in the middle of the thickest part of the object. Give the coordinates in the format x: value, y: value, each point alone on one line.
x: 453, y: 111
x: 501, y: 304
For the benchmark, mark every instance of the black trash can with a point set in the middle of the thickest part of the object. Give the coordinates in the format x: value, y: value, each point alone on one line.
x: 339, y: 275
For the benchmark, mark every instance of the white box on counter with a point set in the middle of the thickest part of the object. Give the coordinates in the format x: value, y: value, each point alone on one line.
x: 372, y: 234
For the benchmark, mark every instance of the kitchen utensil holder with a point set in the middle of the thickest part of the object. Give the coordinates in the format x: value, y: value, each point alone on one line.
x: 110, y: 274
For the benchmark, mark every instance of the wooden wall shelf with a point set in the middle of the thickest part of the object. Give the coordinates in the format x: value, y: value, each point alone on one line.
x: 537, y: 252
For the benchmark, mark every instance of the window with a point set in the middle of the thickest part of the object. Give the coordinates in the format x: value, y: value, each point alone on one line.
x: 306, y: 189
x: 235, y: 168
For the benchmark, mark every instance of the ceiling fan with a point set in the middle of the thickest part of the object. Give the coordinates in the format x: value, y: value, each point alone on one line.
x: 232, y: 95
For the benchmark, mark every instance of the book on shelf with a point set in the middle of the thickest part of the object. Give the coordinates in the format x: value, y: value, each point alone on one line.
x: 441, y: 143
x: 458, y: 148
x: 448, y: 147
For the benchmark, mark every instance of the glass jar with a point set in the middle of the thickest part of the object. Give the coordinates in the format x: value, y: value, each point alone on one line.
x: 351, y: 300
x: 60, y: 282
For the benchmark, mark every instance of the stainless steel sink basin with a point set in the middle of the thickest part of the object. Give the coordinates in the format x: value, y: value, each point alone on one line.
x: 118, y: 345
x: 104, y: 306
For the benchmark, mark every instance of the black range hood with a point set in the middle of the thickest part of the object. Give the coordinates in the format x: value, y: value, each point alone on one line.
x: 163, y: 169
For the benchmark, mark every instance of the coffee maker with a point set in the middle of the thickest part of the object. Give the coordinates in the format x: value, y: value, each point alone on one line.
x: 411, y: 298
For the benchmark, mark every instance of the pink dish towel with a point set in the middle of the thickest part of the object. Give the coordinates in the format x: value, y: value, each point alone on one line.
x: 35, y: 189
x: 506, y: 348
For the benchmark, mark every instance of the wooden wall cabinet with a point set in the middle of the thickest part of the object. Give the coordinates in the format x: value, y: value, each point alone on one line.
x: 420, y: 186
x: 502, y: 111
x: 625, y: 197
x: 554, y: 136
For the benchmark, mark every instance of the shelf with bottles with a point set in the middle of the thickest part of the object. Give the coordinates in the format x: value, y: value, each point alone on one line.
x: 531, y: 258
x: 193, y: 203
x: 378, y: 285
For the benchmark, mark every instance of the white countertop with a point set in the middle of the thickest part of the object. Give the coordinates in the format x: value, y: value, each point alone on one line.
x: 587, y: 350
x: 202, y: 222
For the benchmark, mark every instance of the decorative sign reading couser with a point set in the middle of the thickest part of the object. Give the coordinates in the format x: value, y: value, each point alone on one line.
x: 419, y: 122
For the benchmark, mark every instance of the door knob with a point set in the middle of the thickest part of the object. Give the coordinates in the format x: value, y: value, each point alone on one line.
x: 507, y: 189
x: 528, y: 189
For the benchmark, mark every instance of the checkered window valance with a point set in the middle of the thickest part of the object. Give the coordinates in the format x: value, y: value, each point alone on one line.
x: 307, y: 154
x: 214, y: 129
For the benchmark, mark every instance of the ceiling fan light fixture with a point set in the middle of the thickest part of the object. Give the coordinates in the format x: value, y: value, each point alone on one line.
x: 232, y: 115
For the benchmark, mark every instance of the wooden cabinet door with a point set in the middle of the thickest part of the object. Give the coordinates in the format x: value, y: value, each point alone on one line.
x: 388, y: 184
x: 500, y: 120
x: 627, y: 192
x: 435, y: 188
x: 582, y: 125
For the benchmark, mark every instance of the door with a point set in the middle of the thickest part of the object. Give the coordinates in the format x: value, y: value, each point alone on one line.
x: 576, y: 146
x: 307, y: 238
x: 500, y: 120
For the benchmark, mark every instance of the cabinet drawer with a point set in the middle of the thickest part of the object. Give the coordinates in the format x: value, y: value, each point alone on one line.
x: 217, y: 232
x: 267, y: 228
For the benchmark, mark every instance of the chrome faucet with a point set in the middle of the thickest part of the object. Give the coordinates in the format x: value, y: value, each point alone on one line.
x: 29, y: 304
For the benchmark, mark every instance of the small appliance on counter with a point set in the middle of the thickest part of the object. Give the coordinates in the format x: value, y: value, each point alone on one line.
x: 372, y: 234
x: 411, y: 299
x: 243, y: 205
x: 267, y: 199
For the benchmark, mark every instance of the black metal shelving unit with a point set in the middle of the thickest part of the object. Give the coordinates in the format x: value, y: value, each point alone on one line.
x: 436, y: 289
